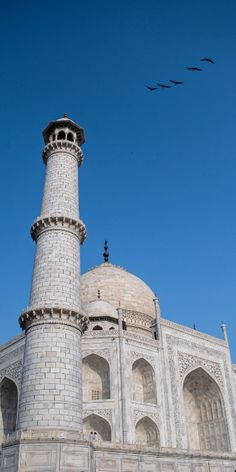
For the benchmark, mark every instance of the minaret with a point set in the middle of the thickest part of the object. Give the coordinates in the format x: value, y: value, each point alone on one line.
x: 51, y: 390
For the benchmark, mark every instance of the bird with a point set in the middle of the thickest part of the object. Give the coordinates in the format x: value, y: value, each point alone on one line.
x: 176, y: 82
x: 194, y: 68
x: 151, y: 88
x: 206, y: 59
x: 164, y: 86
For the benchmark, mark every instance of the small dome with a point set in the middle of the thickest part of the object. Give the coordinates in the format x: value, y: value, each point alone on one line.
x: 101, y: 308
x: 118, y: 287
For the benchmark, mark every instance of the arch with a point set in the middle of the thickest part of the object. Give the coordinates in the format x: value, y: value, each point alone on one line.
x: 96, y: 378
x: 61, y: 135
x: 97, y: 328
x: 70, y: 137
x: 146, y: 432
x: 204, y: 412
x: 99, y: 425
x: 8, y: 407
x: 143, y: 380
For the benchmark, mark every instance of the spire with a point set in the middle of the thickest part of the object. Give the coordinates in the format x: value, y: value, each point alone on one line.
x: 106, y: 253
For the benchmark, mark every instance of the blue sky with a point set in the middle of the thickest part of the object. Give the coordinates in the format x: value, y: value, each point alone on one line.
x: 158, y: 178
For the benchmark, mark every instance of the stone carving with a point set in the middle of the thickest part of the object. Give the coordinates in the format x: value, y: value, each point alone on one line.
x: 13, y: 371
x: 188, y: 362
x: 134, y: 355
x: 105, y: 413
x: 138, y: 414
x: 173, y: 342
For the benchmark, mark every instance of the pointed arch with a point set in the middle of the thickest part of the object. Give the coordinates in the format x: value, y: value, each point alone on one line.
x: 96, y: 378
x: 204, y: 412
x: 146, y: 432
x: 95, y: 423
x: 8, y: 407
x: 143, y: 380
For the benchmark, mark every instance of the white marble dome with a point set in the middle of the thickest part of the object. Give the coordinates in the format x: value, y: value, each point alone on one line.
x: 100, y: 308
x: 117, y: 286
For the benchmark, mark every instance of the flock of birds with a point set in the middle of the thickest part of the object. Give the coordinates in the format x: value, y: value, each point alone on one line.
x: 178, y: 82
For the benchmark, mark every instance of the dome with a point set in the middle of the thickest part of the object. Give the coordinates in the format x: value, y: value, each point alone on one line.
x: 101, y: 308
x: 117, y: 286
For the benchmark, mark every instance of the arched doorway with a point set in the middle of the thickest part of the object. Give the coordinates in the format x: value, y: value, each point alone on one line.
x: 96, y: 378
x: 146, y: 432
x: 95, y: 423
x: 205, y: 413
x: 143, y: 379
x: 8, y: 407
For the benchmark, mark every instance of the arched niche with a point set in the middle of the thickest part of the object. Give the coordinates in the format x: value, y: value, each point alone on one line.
x: 97, y: 328
x: 96, y: 378
x: 61, y: 135
x: 143, y: 380
x: 205, y: 413
x: 94, y: 423
x: 8, y: 407
x: 146, y: 432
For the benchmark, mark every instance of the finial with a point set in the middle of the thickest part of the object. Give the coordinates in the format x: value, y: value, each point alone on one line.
x: 194, y: 326
x: 65, y: 115
x: 106, y: 253
x: 99, y: 294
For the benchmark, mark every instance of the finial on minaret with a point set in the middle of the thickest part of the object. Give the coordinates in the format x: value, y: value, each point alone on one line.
x: 106, y: 253
x: 194, y: 326
x: 65, y: 115
x: 224, y: 331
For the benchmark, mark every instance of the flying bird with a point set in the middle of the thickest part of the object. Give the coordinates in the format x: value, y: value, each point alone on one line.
x: 194, y: 68
x: 164, y: 86
x: 151, y: 88
x: 206, y: 59
x: 176, y: 82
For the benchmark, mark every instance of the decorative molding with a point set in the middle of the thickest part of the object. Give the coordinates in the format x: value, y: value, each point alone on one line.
x: 105, y: 413
x: 62, y: 145
x: 56, y: 315
x: 49, y: 223
x: 100, y: 333
x: 188, y: 362
x: 13, y: 371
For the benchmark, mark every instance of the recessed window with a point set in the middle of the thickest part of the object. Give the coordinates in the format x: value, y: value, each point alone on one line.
x: 95, y: 395
x: 61, y: 135
x: 70, y: 137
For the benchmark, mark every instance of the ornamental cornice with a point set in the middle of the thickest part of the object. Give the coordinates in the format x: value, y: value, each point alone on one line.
x: 13, y: 371
x: 188, y: 362
x: 49, y: 223
x: 137, y: 318
x: 191, y: 331
x: 53, y: 315
x: 63, y: 146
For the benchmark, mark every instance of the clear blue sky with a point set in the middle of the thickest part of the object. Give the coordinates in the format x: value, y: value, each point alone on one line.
x: 158, y: 178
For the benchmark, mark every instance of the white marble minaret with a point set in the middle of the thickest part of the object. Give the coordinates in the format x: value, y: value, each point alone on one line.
x: 51, y: 391
x: 49, y: 434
